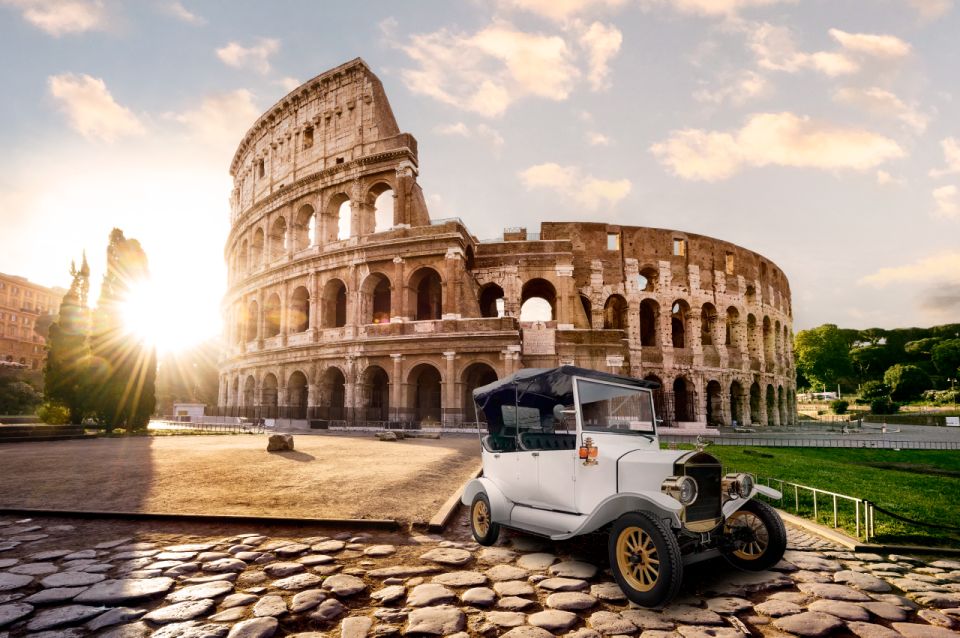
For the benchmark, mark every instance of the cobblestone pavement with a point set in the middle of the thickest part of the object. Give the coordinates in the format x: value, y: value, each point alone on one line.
x: 77, y: 578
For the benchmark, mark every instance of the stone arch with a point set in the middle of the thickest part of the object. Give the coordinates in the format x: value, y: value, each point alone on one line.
x: 537, y: 297
x: 331, y: 403
x: 300, y: 309
x: 714, y: 403
x: 679, y: 324
x: 252, y: 321
x: 333, y: 304
x: 771, y: 405
x: 337, y: 214
x: 753, y: 338
x: 708, y: 323
x: 257, y: 247
x: 375, y: 299
x: 648, y: 279
x: 750, y: 294
x: 426, y: 294
x: 268, y: 394
x: 782, y: 406
x: 736, y: 403
x: 649, y: 321
x: 297, y: 395
x: 755, y: 400
x: 303, y: 228
x: 424, y: 400
x: 778, y: 338
x: 249, y: 392
x: 768, y: 340
x: 587, y: 306
x: 684, y: 400
x: 374, y: 394
x: 731, y: 325
x: 478, y: 373
x: 615, y: 312
x: 380, y: 200
x: 278, y: 238
x: 271, y: 318
x: 491, y: 300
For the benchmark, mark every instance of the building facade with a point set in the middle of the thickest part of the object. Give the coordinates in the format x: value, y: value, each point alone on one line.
x: 347, y: 303
x: 22, y: 303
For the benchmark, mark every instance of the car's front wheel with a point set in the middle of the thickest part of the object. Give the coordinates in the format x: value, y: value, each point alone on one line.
x: 481, y: 520
x: 645, y: 559
x: 756, y: 535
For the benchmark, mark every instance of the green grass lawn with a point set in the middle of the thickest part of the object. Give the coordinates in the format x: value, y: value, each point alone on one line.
x: 917, y: 484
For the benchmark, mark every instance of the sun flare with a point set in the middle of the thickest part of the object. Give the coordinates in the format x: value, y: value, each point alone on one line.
x: 152, y: 317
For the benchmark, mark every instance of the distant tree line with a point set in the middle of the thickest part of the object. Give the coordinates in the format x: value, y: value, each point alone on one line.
x: 897, y: 365
x: 96, y: 369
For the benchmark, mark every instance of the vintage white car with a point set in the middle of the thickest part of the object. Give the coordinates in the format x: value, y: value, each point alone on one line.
x: 570, y: 451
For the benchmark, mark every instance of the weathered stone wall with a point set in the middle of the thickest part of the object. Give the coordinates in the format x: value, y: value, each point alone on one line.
x: 398, y: 319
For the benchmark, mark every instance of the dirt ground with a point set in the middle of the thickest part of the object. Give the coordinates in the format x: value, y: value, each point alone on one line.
x: 326, y: 477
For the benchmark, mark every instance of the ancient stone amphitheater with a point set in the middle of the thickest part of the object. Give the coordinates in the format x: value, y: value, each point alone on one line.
x: 348, y: 305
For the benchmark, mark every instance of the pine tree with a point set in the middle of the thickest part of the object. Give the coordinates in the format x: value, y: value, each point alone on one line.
x: 124, y: 369
x: 66, y: 375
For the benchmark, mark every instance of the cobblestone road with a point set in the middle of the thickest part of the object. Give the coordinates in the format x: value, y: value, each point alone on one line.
x: 78, y: 578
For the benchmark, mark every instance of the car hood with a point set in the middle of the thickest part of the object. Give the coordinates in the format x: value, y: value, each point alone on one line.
x: 643, y: 470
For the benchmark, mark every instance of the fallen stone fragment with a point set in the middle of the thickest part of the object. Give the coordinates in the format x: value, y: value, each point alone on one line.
x: 178, y: 612
x: 254, y: 628
x: 280, y: 443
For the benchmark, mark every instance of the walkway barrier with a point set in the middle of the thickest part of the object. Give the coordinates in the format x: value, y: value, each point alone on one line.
x: 225, y: 427
x: 843, y: 442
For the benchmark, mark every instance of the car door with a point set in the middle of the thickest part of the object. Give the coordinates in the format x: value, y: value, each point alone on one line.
x: 556, y: 467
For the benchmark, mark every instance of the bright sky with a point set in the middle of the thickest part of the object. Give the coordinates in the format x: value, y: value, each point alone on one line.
x: 820, y: 133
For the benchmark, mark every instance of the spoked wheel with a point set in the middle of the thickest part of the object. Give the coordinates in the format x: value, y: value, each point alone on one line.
x: 481, y: 522
x: 645, y: 559
x: 758, y: 537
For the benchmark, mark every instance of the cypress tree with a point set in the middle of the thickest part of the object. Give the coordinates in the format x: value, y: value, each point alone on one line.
x: 66, y: 374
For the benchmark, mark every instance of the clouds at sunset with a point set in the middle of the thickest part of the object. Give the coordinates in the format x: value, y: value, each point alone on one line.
x: 91, y: 109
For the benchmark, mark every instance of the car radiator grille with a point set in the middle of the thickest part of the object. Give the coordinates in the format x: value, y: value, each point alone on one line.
x: 707, y: 505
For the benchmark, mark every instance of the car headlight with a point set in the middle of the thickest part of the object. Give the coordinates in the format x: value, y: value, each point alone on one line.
x: 682, y: 488
x: 738, y: 485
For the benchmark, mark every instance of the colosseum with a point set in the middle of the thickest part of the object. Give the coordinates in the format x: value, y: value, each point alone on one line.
x: 348, y: 305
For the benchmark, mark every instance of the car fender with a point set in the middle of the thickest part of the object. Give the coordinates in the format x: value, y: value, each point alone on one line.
x: 500, y: 505
x: 613, y: 507
x: 734, y: 504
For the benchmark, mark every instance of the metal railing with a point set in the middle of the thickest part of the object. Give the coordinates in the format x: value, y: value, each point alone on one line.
x: 863, y: 511
x: 884, y: 444
x: 224, y: 427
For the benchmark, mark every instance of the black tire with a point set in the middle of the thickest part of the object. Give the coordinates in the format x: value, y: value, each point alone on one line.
x: 645, y: 559
x: 758, y: 537
x: 481, y: 520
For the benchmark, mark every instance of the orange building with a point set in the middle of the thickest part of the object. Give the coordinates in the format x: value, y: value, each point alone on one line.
x: 22, y: 303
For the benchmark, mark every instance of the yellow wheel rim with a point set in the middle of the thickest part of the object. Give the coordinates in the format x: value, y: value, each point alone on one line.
x: 481, y: 518
x: 756, y: 538
x: 637, y: 558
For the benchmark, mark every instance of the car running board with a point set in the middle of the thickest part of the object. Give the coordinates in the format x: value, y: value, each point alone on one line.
x: 544, y: 522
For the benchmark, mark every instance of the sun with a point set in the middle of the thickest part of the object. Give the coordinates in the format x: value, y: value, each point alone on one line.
x: 152, y: 319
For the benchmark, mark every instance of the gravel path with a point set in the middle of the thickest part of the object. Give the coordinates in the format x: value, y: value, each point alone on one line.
x: 121, y: 579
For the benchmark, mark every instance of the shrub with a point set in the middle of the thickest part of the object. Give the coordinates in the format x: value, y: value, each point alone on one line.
x: 906, y: 382
x: 884, y: 406
x: 53, y: 414
x: 874, y: 390
x: 839, y: 406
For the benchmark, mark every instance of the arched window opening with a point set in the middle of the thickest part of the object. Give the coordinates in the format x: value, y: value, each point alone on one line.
x: 253, y: 317
x: 344, y: 214
x: 768, y: 339
x: 755, y: 403
x: 334, y: 304
x: 782, y: 405
x: 678, y: 324
x: 538, y: 301
x: 615, y: 313
x: 751, y: 294
x: 428, y: 294
x: 249, y: 391
x: 297, y: 396
x: 684, y: 401
x: 649, y: 310
x: 424, y: 383
x: 303, y: 226
x: 375, y: 394
x: 383, y: 211
x: 256, y: 249
x: 587, y: 309
x: 300, y: 310
x: 752, y: 336
x: 476, y: 375
x: 330, y: 405
x: 278, y: 238
x: 771, y: 406
x: 708, y: 322
x: 235, y: 393
x: 491, y: 301
x: 268, y: 394
x: 375, y: 299
x: 733, y: 319
x: 714, y: 404
x: 736, y: 403
x: 647, y: 280
x: 272, y: 318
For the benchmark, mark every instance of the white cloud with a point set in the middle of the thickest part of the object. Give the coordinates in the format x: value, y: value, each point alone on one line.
x: 885, y: 179
x: 487, y: 71
x: 947, y: 199
x: 602, y: 43
x: 180, y: 12
x: 289, y: 83
x: 778, y: 139
x: 59, y: 17
x: 775, y: 50
x: 884, y: 102
x: 482, y: 132
x: 91, y: 109
x: 255, y: 57
x: 712, y: 7
x: 560, y: 10
x: 951, y: 153
x: 220, y: 120
x: 875, y: 45
x: 587, y: 191
x: 595, y: 138
x: 457, y: 128
x: 935, y: 268
x: 931, y: 9
x: 736, y: 89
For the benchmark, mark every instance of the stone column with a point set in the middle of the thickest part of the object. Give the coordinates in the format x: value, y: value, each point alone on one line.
x: 450, y: 285
x: 693, y: 338
x: 449, y: 403
x: 350, y: 388
x: 565, y: 296
x: 396, y: 385
x: 397, y: 289
x: 314, y: 318
x: 261, y: 320
x: 763, y: 406
x: 284, y: 314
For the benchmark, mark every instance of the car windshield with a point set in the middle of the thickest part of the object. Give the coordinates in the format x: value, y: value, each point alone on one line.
x: 607, y: 407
